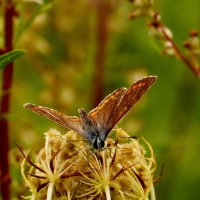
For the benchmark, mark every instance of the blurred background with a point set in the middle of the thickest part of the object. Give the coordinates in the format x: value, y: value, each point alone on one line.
x: 80, y: 51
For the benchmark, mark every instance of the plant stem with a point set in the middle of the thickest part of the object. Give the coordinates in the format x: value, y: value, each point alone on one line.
x: 107, y: 190
x: 33, y: 196
x: 50, y: 191
x: 103, y: 9
x: 153, y: 196
x: 5, y: 102
x: 194, y: 69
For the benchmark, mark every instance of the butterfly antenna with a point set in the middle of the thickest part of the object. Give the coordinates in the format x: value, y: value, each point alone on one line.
x: 132, y: 137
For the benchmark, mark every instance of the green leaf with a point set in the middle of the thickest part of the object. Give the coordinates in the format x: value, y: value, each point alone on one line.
x: 8, y: 57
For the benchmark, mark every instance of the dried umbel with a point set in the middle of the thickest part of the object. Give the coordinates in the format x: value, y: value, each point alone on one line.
x: 67, y: 168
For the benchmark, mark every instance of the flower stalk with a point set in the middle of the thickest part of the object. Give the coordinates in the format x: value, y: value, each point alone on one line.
x: 50, y: 191
x: 161, y: 32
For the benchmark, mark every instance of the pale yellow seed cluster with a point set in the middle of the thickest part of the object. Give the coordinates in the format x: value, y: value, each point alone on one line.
x: 67, y: 168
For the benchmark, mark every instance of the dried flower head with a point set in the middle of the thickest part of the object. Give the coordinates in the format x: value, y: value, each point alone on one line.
x: 192, y: 47
x: 67, y: 168
x: 141, y: 8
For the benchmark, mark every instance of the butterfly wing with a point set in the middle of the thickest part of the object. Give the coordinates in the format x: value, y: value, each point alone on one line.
x: 117, y: 104
x: 73, y: 123
x: 130, y: 98
x: 104, y: 111
x: 106, y: 114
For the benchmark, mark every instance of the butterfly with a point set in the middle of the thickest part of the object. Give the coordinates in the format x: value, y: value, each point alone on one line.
x: 95, y: 125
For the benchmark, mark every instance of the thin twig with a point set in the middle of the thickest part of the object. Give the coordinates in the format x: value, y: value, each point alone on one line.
x: 194, y: 69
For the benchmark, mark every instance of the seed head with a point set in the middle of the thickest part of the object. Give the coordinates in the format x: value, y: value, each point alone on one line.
x: 66, y: 168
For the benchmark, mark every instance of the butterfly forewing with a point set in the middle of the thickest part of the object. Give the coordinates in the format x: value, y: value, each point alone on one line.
x: 104, y: 111
x: 73, y: 123
x: 129, y: 99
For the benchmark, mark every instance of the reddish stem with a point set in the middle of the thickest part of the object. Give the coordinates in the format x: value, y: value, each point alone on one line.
x: 194, y: 69
x: 103, y: 9
x: 5, y: 102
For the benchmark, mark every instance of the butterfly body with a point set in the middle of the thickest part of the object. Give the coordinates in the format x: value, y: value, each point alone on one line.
x: 97, y: 124
x: 91, y: 130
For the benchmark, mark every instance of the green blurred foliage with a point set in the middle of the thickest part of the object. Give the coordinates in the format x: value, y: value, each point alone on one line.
x: 57, y: 72
x: 9, y: 57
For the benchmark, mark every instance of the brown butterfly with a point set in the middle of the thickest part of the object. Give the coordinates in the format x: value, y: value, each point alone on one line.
x: 96, y: 125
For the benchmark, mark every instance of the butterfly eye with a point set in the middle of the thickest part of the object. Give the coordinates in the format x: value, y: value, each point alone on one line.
x: 95, y: 145
x: 98, y: 143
